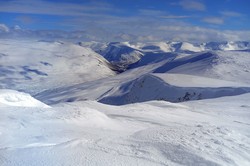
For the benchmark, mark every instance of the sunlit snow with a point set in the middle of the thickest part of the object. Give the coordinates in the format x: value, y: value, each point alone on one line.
x: 172, y: 103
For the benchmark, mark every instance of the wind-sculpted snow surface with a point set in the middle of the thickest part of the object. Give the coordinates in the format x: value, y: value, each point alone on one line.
x: 205, y: 132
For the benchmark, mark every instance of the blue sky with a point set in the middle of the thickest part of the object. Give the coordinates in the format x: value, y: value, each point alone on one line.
x: 131, y: 19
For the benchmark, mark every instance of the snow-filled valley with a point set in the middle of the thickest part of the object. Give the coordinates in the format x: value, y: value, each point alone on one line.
x: 123, y: 103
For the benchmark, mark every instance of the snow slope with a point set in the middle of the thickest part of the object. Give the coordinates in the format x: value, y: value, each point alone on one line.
x: 204, y: 132
x: 34, y: 66
x: 153, y: 57
x: 174, y: 88
x: 220, y: 71
x: 93, y: 90
x: 224, y: 65
x: 14, y: 98
x: 194, y: 77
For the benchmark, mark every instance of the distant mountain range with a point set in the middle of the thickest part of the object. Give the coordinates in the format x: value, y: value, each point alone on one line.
x: 124, y: 54
x: 116, y: 72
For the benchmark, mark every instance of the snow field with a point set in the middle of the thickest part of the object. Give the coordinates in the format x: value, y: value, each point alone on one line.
x: 204, y: 132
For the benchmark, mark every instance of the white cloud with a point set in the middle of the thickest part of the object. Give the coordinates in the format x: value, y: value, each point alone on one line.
x: 137, y: 28
x: 231, y: 14
x: 24, y: 19
x: 198, y: 34
x: 192, y: 5
x: 17, y: 27
x: 213, y: 20
x: 4, y: 28
x: 150, y: 12
x: 175, y: 16
x: 97, y: 21
x: 146, y: 33
x: 160, y: 14
x: 53, y: 8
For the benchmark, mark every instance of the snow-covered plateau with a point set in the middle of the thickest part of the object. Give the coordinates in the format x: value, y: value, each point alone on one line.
x: 124, y: 103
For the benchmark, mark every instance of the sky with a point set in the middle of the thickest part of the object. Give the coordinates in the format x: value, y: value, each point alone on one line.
x: 127, y: 20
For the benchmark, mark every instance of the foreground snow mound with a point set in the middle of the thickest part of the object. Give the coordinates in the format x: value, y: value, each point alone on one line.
x: 19, y: 99
x: 205, y: 132
x: 174, y: 88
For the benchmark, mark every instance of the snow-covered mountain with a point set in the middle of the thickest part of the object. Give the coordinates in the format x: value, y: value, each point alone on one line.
x: 224, y: 46
x: 173, y: 88
x: 188, y: 47
x: 125, y: 54
x: 181, y: 47
x: 219, y: 67
x: 34, y: 66
x: 175, y: 103
x: 224, y: 65
x: 121, y: 54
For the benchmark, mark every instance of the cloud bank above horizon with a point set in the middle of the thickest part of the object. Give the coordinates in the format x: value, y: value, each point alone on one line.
x: 113, y: 20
